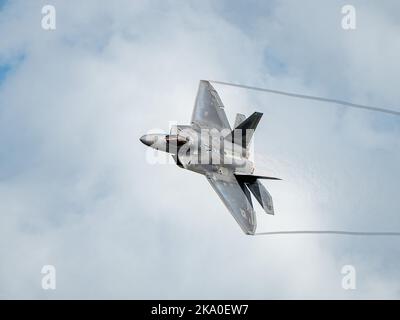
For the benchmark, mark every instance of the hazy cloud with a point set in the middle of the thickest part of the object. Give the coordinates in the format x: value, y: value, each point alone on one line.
x: 76, y: 190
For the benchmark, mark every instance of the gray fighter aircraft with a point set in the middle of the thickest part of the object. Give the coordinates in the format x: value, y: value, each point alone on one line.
x: 210, y: 147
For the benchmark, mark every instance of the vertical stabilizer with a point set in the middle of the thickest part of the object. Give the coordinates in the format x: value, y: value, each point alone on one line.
x: 239, y: 119
x: 243, y: 133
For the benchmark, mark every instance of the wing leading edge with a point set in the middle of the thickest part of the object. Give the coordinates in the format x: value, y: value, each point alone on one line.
x: 238, y: 203
x: 208, y: 109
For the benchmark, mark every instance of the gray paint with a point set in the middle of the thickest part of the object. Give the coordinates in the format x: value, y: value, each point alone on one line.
x: 209, y: 114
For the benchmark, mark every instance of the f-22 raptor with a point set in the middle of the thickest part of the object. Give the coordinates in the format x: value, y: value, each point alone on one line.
x: 210, y: 147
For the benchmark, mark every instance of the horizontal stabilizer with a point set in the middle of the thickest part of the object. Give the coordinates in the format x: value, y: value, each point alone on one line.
x: 262, y: 196
x: 253, y: 183
x: 252, y: 178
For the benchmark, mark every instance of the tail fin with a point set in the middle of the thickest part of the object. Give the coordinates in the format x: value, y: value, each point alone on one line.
x: 243, y: 133
x: 239, y: 119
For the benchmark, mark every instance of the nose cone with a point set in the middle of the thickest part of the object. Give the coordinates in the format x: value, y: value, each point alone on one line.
x: 148, y: 139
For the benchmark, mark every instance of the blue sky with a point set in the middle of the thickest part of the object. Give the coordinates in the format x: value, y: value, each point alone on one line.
x: 3, y: 3
x: 77, y: 191
x: 10, y: 65
x: 4, y: 70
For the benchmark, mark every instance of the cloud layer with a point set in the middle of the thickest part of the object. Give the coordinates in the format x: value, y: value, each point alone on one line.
x: 76, y: 190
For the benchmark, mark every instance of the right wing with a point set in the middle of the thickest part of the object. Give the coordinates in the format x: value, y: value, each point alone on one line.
x: 235, y: 199
x: 208, y: 110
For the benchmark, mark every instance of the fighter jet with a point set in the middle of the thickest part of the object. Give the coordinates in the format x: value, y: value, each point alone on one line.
x: 210, y: 146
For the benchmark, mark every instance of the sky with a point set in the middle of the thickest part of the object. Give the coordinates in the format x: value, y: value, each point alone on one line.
x: 77, y: 190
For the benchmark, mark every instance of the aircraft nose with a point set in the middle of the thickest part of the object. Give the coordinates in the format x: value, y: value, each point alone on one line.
x: 148, y: 139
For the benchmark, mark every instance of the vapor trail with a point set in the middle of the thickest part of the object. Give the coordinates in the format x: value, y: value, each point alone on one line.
x: 338, y: 232
x: 335, y: 101
x: 315, y: 98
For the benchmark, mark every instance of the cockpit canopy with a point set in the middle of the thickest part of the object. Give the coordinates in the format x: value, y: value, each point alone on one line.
x: 175, y: 139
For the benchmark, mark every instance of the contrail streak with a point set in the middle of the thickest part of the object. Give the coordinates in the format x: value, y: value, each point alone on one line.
x: 335, y: 101
x: 303, y: 96
x: 335, y: 232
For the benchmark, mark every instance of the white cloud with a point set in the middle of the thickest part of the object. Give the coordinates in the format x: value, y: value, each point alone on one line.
x: 76, y: 192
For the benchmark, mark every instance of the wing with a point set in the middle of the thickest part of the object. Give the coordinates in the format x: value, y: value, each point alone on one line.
x: 235, y: 199
x: 208, y: 109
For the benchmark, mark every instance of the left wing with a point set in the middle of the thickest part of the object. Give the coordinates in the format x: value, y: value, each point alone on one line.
x: 208, y: 109
x: 233, y: 196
